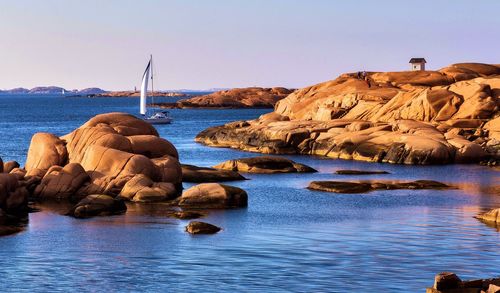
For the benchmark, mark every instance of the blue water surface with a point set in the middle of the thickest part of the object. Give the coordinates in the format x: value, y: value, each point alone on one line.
x: 289, y: 239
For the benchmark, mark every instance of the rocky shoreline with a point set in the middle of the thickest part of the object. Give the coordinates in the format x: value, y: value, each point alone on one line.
x: 418, y: 117
x: 253, y: 97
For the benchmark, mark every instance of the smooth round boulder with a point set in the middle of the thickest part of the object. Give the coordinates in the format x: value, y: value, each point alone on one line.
x: 45, y: 151
x: 98, y: 205
x: 196, y: 227
x: 213, y: 196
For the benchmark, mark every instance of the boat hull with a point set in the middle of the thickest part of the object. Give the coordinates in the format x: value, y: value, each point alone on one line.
x: 158, y: 120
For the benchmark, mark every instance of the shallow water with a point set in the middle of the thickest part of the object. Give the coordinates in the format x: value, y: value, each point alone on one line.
x: 289, y: 239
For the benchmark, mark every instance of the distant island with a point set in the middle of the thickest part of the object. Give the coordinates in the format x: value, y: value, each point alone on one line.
x: 52, y: 90
x: 98, y: 92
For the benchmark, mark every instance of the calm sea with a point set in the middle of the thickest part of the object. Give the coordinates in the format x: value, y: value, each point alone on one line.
x: 289, y: 239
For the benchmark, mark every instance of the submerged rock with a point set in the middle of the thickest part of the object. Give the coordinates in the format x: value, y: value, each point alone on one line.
x: 98, y: 205
x: 187, y: 215
x: 265, y: 165
x: 359, y: 172
x: 197, y: 174
x: 196, y: 227
x: 213, y: 196
x: 362, y: 187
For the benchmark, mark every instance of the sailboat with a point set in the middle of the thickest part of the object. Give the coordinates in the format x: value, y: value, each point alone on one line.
x: 155, y: 117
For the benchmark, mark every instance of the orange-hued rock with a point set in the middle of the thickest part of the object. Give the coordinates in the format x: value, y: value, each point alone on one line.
x: 152, y: 146
x: 395, y: 117
x: 253, y: 97
x: 106, y: 155
x: 168, y: 169
x: 213, y: 195
x: 45, y: 151
x: 61, y: 182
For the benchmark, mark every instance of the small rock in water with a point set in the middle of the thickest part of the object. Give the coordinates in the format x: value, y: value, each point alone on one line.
x: 213, y: 196
x: 196, y: 227
x: 359, y: 172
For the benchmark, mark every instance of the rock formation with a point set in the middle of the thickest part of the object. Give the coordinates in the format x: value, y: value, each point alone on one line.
x: 253, y: 97
x: 417, y: 117
x: 111, y: 154
x: 264, y: 165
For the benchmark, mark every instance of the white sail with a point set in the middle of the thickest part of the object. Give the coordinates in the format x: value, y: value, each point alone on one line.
x: 144, y: 89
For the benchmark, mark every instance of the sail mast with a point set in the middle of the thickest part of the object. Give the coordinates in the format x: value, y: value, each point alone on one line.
x: 152, y: 83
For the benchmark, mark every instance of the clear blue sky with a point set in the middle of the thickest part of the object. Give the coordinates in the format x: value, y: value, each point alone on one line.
x: 234, y: 43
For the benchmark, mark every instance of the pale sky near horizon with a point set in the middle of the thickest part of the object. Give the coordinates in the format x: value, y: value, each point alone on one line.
x: 234, y: 43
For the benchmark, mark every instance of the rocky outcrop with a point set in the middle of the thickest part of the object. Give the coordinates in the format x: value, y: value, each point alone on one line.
x: 264, y: 165
x: 418, y: 117
x: 447, y: 282
x: 253, y: 97
x: 106, y: 155
x: 98, y: 205
x: 197, y: 174
x: 213, y: 196
x: 196, y: 227
x: 362, y: 187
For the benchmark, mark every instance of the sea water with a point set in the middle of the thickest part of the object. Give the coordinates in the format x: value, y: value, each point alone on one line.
x: 289, y: 239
